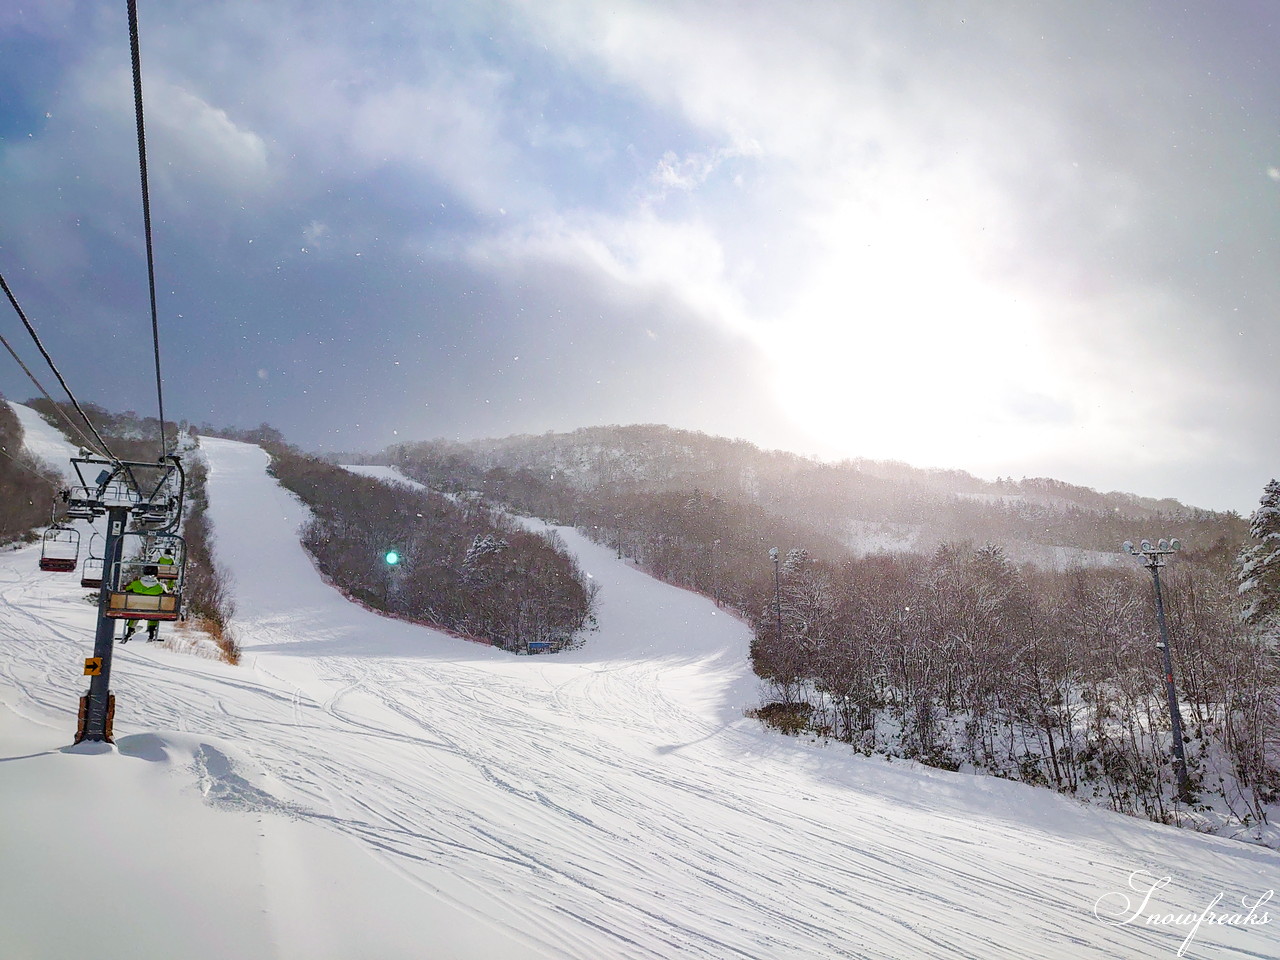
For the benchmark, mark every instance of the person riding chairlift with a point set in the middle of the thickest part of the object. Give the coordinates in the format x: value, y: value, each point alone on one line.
x: 166, y: 560
x: 150, y: 585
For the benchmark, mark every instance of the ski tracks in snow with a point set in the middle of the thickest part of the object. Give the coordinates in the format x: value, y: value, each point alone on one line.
x: 610, y: 802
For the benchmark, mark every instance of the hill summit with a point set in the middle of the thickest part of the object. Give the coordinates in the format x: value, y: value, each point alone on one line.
x: 861, y: 506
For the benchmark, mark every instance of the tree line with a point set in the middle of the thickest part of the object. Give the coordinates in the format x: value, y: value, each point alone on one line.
x: 130, y: 435
x: 207, y: 592
x: 962, y: 658
x: 922, y: 507
x: 460, y: 564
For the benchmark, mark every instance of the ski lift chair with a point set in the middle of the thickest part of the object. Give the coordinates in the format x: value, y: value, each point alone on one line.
x: 167, y: 563
x: 91, y: 571
x: 60, y: 549
x: 166, y: 553
x: 123, y: 604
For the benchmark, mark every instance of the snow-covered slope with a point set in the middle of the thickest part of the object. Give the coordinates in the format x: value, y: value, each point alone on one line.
x: 361, y: 787
x: 385, y: 474
x: 44, y: 442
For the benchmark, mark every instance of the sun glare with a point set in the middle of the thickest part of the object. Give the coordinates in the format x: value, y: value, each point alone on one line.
x: 898, y: 346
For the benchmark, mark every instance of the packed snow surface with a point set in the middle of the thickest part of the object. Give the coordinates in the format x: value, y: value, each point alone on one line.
x: 360, y: 787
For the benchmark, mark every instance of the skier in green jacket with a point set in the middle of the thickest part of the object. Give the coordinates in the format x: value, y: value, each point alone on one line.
x: 147, y: 584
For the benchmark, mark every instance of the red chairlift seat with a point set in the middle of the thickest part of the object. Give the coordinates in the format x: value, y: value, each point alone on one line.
x: 60, y: 549
x: 91, y: 573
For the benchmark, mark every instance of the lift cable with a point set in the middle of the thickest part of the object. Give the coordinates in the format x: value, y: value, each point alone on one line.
x: 102, y: 444
x: 146, y: 211
x: 40, y: 386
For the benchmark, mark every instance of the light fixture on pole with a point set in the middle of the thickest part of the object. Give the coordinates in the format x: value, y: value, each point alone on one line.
x: 715, y: 569
x: 1153, y: 558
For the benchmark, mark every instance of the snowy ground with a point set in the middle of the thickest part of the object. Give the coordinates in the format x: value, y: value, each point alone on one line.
x: 360, y: 787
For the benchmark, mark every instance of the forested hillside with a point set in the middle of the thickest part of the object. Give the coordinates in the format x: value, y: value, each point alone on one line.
x: 130, y: 435
x: 27, y: 488
x: 456, y: 563
x: 939, y: 647
x: 965, y: 661
x: 866, y: 506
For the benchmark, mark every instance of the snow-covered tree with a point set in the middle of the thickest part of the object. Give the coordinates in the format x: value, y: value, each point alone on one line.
x: 477, y: 566
x: 795, y: 560
x: 1260, y: 562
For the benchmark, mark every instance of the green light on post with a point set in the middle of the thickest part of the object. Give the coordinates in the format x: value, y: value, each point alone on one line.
x: 392, y: 558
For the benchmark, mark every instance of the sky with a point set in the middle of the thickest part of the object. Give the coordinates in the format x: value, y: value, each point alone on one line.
x: 1014, y: 238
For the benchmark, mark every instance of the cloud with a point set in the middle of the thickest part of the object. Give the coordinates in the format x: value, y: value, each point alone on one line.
x: 315, y: 232
x: 689, y: 172
x: 203, y: 139
x: 679, y: 260
x: 191, y: 140
x: 953, y: 213
x: 961, y: 237
x: 449, y: 128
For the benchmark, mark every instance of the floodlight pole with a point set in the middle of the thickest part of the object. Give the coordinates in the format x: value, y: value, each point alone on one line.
x: 777, y: 590
x: 715, y: 570
x: 394, y: 562
x: 1153, y: 558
